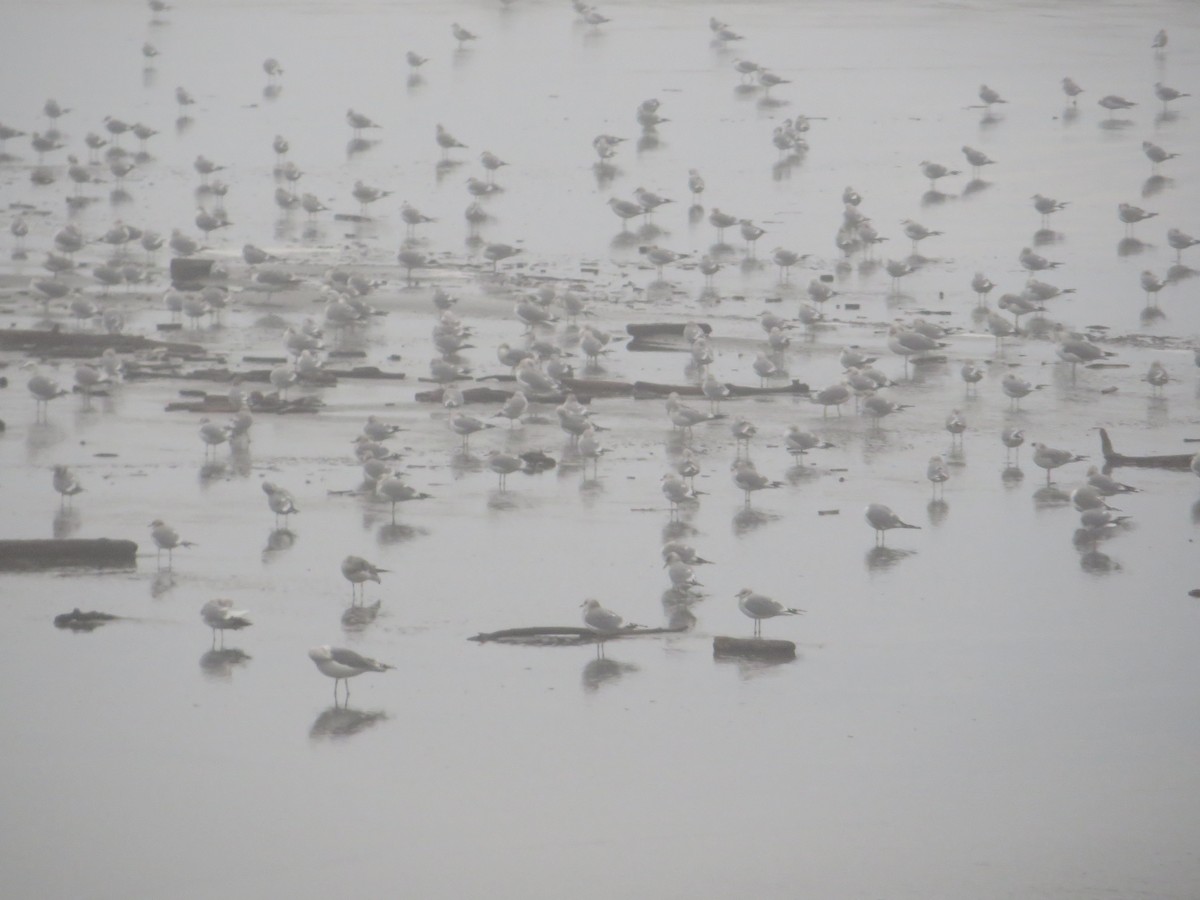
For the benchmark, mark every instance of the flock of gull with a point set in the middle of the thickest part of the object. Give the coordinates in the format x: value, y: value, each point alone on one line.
x: 538, y: 364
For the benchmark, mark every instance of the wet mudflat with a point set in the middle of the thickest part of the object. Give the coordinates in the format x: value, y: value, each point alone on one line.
x: 990, y: 705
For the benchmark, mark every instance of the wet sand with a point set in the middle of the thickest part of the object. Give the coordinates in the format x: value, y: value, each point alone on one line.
x: 985, y: 707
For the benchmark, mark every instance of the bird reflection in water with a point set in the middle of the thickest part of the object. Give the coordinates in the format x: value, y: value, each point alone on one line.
x: 677, y: 607
x: 1155, y: 184
x: 220, y: 663
x: 1131, y: 246
x: 746, y: 521
x: 880, y: 559
x: 603, y: 670
x: 66, y: 522
x: 341, y: 721
x: 1096, y: 563
x: 937, y: 510
x: 755, y: 666
x: 357, y: 618
x: 1050, y: 496
x: 279, y: 540
x: 1012, y: 476
x: 163, y: 581
x: 396, y: 533
x: 272, y: 91
x: 676, y: 530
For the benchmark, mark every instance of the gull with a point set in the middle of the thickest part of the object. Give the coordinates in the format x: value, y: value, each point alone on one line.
x: 1041, y: 291
x: 695, y: 184
x: 447, y: 141
x: 394, y: 490
x: 1050, y: 458
x: 205, y: 167
x: 149, y: 51
x: 413, y: 217
x: 877, y: 407
x: 660, y: 256
x: 254, y: 256
x: 989, y: 96
x: 1047, y: 205
x: 1112, y: 103
x: 649, y: 201
x: 499, y: 252
x: 684, y: 416
x: 1131, y: 215
x: 764, y: 368
x: 785, y: 259
x: 684, y: 552
x: 590, y: 449
x: 491, y: 162
x: 1167, y: 94
x: 219, y: 615
x: 415, y: 60
x: 748, y: 479
x: 977, y: 159
x: 1088, y: 497
x: 1071, y: 89
x: 533, y: 381
x: 87, y: 377
x: 280, y: 501
x: 908, y: 343
x: 213, y: 435
x: 933, y: 171
x: 1035, y: 262
x: 917, y: 232
x: 604, y: 622
x: 574, y: 422
x: 116, y: 127
x: 65, y: 483
x: 777, y: 341
x: 1157, y: 376
x: 676, y: 491
x: 956, y: 424
x: 1016, y: 387
x: 166, y: 538
x: 861, y: 383
x: 461, y: 34
x: 1012, y: 439
x: 605, y: 145
x: 1019, y: 305
x: 625, y: 209
x: 1106, y: 485
x: 743, y: 431
x: 720, y: 221
x: 357, y: 121
x: 898, y: 270
x: 208, y: 223
x: 769, y: 80
x: 688, y: 468
x: 358, y: 571
x: 797, y: 442
x: 1160, y: 39
x: 365, y: 194
x: 280, y: 146
x: 882, y: 519
x: 852, y: 358
x: 465, y: 426
x: 1077, y: 350
x: 376, y: 430
x: 834, y: 395
x: 937, y: 473
x: 183, y: 99
x: 1180, y: 241
x: 594, y: 17
x: 341, y: 664
x: 971, y: 373
x: 647, y: 114
x: 715, y: 391
x: 1151, y: 284
x: 759, y: 607
x: 143, y: 133
x: 819, y: 291
x: 1093, y: 521
x: 1156, y: 154
x: 683, y: 578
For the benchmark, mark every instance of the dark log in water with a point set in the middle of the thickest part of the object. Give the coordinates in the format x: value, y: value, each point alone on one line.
x: 756, y: 648
x: 564, y: 634
x: 190, y: 273
x: 644, y: 389
x: 662, y: 329
x: 51, y: 554
x: 54, y: 342
x: 82, y: 621
x: 1112, y: 459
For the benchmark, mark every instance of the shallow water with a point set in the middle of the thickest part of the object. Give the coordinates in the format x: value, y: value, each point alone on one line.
x: 983, y: 709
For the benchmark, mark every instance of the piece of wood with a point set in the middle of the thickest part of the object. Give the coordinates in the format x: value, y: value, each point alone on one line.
x: 566, y: 634
x: 32, y: 555
x: 76, y: 620
x: 1112, y: 459
x: 643, y: 389
x: 55, y: 342
x: 757, y: 648
x: 189, y: 271
x: 661, y: 329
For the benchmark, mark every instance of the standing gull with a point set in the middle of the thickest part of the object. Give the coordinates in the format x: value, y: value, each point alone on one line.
x: 219, y: 615
x: 1050, y: 458
x: 882, y: 519
x: 759, y: 607
x: 341, y: 664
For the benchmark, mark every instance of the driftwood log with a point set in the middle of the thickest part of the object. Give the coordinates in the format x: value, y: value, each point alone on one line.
x: 76, y: 620
x: 52, y: 554
x: 588, y: 389
x: 1112, y: 459
x: 755, y: 648
x: 77, y: 345
x: 563, y: 635
x: 661, y: 329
